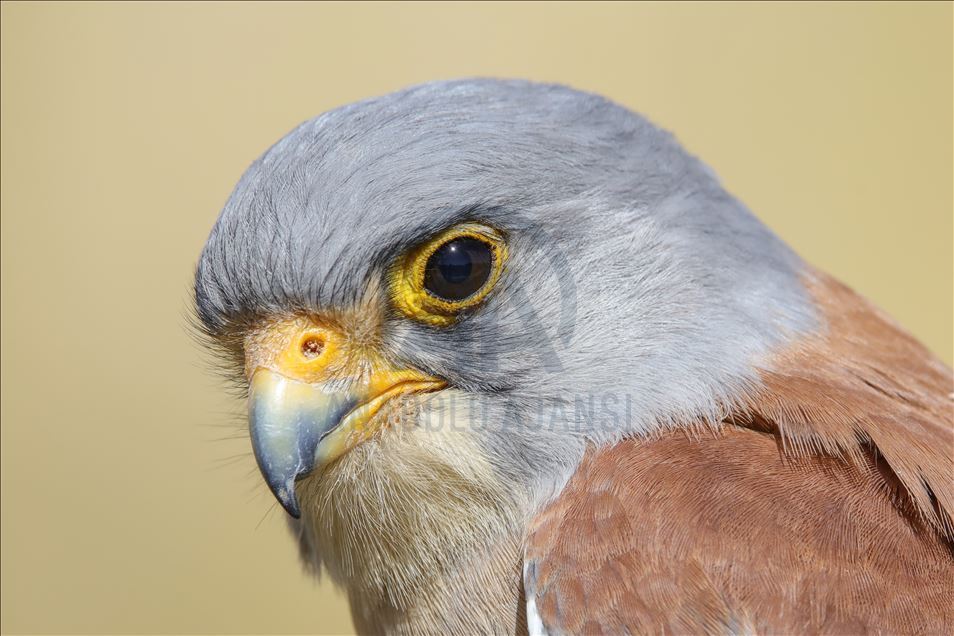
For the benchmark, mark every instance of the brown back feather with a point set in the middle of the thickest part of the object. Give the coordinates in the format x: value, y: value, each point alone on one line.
x: 822, y: 505
x: 865, y: 386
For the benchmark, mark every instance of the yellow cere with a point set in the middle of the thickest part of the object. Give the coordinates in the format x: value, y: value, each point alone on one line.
x: 299, y: 348
x: 407, y: 276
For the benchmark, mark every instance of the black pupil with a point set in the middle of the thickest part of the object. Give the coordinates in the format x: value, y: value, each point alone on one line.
x: 458, y: 269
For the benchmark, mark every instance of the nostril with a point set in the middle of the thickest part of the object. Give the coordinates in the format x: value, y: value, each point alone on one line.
x: 312, y: 346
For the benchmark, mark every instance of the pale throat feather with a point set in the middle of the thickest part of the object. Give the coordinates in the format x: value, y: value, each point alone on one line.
x: 410, y: 521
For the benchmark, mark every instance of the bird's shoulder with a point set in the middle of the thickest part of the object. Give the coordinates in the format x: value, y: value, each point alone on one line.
x: 821, y: 503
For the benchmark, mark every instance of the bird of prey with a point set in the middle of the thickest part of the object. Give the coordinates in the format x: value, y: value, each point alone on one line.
x: 518, y: 363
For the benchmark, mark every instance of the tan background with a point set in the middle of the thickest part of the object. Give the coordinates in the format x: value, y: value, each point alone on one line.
x: 125, y: 126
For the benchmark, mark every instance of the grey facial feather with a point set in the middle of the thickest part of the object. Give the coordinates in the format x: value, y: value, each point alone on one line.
x: 638, y: 293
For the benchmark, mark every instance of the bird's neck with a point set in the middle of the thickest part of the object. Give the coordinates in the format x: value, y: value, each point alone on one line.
x: 483, y: 595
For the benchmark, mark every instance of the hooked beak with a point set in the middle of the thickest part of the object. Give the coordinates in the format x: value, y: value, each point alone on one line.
x: 308, y: 407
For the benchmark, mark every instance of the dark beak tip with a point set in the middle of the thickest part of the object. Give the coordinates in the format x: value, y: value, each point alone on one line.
x: 285, y: 494
x: 292, y: 509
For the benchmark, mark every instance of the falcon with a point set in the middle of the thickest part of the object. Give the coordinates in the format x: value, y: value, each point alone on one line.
x: 518, y: 363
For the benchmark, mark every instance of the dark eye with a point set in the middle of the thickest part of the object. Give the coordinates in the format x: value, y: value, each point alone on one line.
x: 458, y: 268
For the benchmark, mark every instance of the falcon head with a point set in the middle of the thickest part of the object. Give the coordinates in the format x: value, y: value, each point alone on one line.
x: 439, y: 297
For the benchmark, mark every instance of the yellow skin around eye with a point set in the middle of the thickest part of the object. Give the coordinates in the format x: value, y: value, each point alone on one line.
x: 407, y: 276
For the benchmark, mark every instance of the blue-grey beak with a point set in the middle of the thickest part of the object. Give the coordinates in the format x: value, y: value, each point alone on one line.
x: 288, y: 420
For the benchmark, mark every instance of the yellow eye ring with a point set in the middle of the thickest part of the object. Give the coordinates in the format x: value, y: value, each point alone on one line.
x: 408, y: 275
